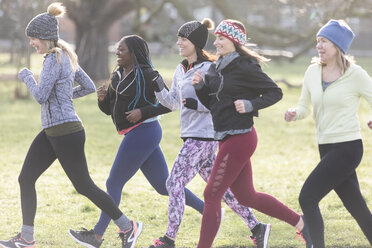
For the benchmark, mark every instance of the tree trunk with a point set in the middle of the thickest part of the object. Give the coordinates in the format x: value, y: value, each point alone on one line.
x: 93, y: 19
x: 92, y: 50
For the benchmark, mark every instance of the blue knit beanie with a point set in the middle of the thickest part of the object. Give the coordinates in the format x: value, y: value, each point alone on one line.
x: 338, y: 33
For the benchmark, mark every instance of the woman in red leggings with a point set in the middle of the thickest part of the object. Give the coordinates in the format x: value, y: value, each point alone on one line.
x: 234, y: 89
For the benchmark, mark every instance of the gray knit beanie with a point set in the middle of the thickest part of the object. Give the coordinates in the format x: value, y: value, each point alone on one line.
x: 45, y: 26
x: 196, y: 32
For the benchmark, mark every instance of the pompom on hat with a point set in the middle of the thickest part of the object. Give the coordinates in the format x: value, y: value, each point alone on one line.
x: 45, y: 26
x: 196, y: 32
x: 338, y: 33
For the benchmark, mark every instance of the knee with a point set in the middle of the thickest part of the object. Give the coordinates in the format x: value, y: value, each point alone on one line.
x: 246, y: 200
x: 209, y: 194
x: 25, y: 180
x: 162, y: 189
x: 84, y: 188
x: 171, y: 186
x: 110, y: 184
x: 306, y: 199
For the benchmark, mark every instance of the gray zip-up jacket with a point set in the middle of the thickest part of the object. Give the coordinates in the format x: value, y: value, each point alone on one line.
x: 56, y: 90
x: 194, y: 123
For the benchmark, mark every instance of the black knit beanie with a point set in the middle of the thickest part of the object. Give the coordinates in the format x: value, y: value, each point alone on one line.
x: 194, y: 31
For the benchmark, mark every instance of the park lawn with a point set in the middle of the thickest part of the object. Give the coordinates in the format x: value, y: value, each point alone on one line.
x: 285, y: 155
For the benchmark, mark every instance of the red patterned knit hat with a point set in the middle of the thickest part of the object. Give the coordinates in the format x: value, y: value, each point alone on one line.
x: 231, y: 31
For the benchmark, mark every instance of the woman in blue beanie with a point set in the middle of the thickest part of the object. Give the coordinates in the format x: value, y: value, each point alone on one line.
x: 334, y: 84
x: 62, y: 136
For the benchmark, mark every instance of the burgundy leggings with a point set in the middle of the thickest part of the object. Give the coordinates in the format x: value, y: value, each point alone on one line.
x: 232, y: 168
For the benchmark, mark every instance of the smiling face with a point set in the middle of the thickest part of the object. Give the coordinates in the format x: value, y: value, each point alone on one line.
x: 39, y: 46
x: 327, y: 51
x: 185, y: 47
x: 124, y: 56
x: 223, y: 45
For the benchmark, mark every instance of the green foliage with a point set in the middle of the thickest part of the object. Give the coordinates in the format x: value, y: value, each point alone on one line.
x: 285, y: 156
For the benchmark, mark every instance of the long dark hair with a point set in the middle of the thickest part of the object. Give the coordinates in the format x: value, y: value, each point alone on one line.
x: 139, y: 49
x: 243, y: 50
x: 203, y: 55
x: 141, y: 57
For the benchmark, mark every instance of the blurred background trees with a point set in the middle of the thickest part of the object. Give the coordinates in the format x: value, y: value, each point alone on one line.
x: 283, y: 29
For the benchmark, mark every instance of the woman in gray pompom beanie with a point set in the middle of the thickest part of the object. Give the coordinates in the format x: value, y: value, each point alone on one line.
x: 62, y: 136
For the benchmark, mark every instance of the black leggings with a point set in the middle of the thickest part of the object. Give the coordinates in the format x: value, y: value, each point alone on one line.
x: 335, y: 171
x: 69, y: 149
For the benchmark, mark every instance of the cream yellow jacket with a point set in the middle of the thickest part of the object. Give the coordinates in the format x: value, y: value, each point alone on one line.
x: 335, y: 110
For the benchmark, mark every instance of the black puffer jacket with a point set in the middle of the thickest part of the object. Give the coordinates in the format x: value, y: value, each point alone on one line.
x: 243, y: 78
x: 121, y: 97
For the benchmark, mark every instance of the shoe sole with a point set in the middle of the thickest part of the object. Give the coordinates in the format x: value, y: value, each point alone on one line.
x: 139, y: 230
x: 267, y: 234
x: 79, y: 241
x: 4, y: 246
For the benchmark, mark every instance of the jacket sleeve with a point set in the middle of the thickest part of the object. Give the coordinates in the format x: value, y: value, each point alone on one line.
x: 48, y: 77
x: 365, y: 88
x: 303, y: 105
x: 86, y: 85
x: 269, y: 92
x: 153, y: 110
x: 104, y: 105
x: 202, y: 91
x: 170, y: 98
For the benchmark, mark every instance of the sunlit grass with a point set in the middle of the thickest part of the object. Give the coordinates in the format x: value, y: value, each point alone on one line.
x: 285, y: 155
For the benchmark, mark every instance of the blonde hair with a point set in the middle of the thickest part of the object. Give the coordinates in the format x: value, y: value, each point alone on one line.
x: 57, y: 47
x: 56, y: 9
x: 343, y: 61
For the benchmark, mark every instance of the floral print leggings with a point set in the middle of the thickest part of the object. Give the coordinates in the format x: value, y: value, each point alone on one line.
x: 196, y: 156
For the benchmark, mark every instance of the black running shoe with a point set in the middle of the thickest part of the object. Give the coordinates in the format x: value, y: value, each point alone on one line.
x: 305, y: 235
x: 162, y: 243
x: 261, y: 235
x: 17, y: 242
x: 86, y: 238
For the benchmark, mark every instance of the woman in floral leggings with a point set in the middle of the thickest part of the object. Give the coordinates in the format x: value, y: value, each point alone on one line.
x: 199, y: 149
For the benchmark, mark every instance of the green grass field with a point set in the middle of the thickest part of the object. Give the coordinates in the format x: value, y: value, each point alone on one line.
x: 285, y: 155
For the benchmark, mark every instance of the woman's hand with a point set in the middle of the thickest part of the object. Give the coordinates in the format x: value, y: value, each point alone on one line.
x: 24, y: 73
x: 197, y: 78
x: 134, y: 115
x: 101, y: 92
x: 239, y: 106
x: 290, y: 114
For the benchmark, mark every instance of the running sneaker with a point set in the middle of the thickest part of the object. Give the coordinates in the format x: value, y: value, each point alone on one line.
x: 261, y: 235
x: 129, y: 237
x: 304, y: 235
x: 17, y: 242
x: 86, y: 238
x: 162, y: 243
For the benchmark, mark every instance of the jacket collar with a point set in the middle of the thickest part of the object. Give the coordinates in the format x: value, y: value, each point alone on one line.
x: 222, y: 62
